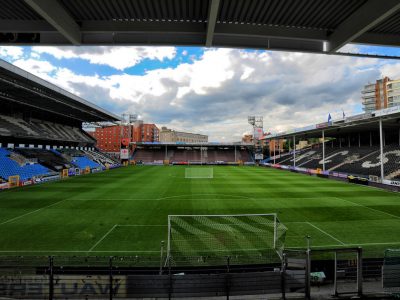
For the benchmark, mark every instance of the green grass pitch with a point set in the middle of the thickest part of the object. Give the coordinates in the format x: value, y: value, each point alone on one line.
x: 124, y: 211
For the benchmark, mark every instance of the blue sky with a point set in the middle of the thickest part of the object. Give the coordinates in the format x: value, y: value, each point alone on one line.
x: 210, y: 91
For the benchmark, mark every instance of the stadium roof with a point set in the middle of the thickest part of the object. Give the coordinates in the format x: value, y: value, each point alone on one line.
x: 182, y: 144
x: 21, y: 87
x: 320, y: 26
x: 354, y: 124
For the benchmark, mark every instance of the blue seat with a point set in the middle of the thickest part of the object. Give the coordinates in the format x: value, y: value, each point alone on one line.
x: 10, y: 167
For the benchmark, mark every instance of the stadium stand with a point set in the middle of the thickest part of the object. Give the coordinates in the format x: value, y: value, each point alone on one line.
x: 101, y: 158
x: 360, y: 161
x: 41, y: 135
x: 149, y: 155
x: 188, y: 154
x: 10, y: 167
x: 83, y: 162
x: 245, y: 155
x: 49, y: 158
x: 13, y: 126
x: 88, y: 158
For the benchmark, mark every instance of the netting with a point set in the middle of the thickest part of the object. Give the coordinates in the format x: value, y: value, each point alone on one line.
x: 391, y: 271
x: 199, y: 173
x: 196, y: 238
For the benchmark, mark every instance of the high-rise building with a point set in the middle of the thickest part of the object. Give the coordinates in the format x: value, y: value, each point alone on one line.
x: 172, y: 136
x: 247, y: 138
x: 278, y: 145
x: 383, y: 93
x: 393, y: 93
x: 109, y: 138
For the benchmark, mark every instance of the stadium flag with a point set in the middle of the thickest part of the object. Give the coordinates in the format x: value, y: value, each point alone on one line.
x: 344, y: 115
x: 329, y: 118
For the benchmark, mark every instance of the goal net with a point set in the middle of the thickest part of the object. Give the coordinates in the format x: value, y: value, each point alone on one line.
x: 391, y: 272
x: 199, y: 173
x: 196, y: 239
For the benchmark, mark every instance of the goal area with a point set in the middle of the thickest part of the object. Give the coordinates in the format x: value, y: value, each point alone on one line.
x: 197, y: 173
x: 245, y: 238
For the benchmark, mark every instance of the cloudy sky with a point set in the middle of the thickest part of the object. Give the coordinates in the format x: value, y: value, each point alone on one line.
x: 209, y: 91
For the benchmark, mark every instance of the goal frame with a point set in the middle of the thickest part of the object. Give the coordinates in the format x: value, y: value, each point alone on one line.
x: 275, y: 215
x: 198, y: 177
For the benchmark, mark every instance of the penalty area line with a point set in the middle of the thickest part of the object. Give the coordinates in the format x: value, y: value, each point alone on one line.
x: 79, y: 251
x: 31, y: 212
x: 324, y: 232
x: 367, y: 207
x: 140, y: 225
x: 104, y: 236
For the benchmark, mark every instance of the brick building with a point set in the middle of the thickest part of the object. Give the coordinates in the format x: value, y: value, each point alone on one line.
x: 109, y: 138
x: 173, y: 136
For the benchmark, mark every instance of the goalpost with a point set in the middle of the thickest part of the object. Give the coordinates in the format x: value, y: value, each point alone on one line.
x: 195, y: 238
x: 196, y: 173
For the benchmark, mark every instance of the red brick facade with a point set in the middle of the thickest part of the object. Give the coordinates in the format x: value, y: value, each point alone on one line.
x: 109, y: 138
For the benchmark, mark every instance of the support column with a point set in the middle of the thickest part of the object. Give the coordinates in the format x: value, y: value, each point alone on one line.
x: 340, y: 142
x: 294, y: 151
x: 323, y: 150
x: 274, y: 149
x: 370, y: 138
x: 359, y: 272
x: 359, y: 140
x: 349, y: 140
x: 166, y: 152
x: 235, y: 154
x: 399, y: 137
x: 384, y: 138
x: 279, y: 149
x: 381, y: 145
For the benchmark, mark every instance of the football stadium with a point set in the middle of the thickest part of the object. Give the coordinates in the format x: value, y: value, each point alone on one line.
x: 315, y: 216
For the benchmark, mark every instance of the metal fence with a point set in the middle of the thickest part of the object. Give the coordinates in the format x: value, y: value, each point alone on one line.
x: 129, y: 277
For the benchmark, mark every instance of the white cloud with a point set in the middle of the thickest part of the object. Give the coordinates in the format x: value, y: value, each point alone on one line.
x: 37, y: 67
x: 216, y: 92
x: 11, y: 52
x: 119, y: 58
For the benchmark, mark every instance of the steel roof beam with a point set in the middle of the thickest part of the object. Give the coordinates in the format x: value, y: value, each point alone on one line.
x: 54, y: 13
x: 362, y: 20
x: 212, y: 20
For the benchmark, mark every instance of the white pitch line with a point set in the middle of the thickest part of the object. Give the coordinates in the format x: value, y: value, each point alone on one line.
x: 79, y: 251
x: 196, y: 199
x: 331, y: 236
x: 104, y: 236
x: 373, y: 244
x: 170, y: 197
x: 140, y: 225
x: 158, y: 251
x: 377, y: 210
x: 31, y: 212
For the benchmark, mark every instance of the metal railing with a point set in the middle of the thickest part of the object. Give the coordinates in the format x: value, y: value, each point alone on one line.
x: 121, y: 277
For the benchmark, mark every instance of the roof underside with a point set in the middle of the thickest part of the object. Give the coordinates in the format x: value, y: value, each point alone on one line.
x: 320, y: 26
x: 338, y: 129
x: 22, y: 88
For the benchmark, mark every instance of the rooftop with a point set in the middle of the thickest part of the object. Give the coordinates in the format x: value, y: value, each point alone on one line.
x: 301, y: 25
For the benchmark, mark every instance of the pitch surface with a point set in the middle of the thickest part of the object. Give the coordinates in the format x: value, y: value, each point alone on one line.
x: 124, y: 211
